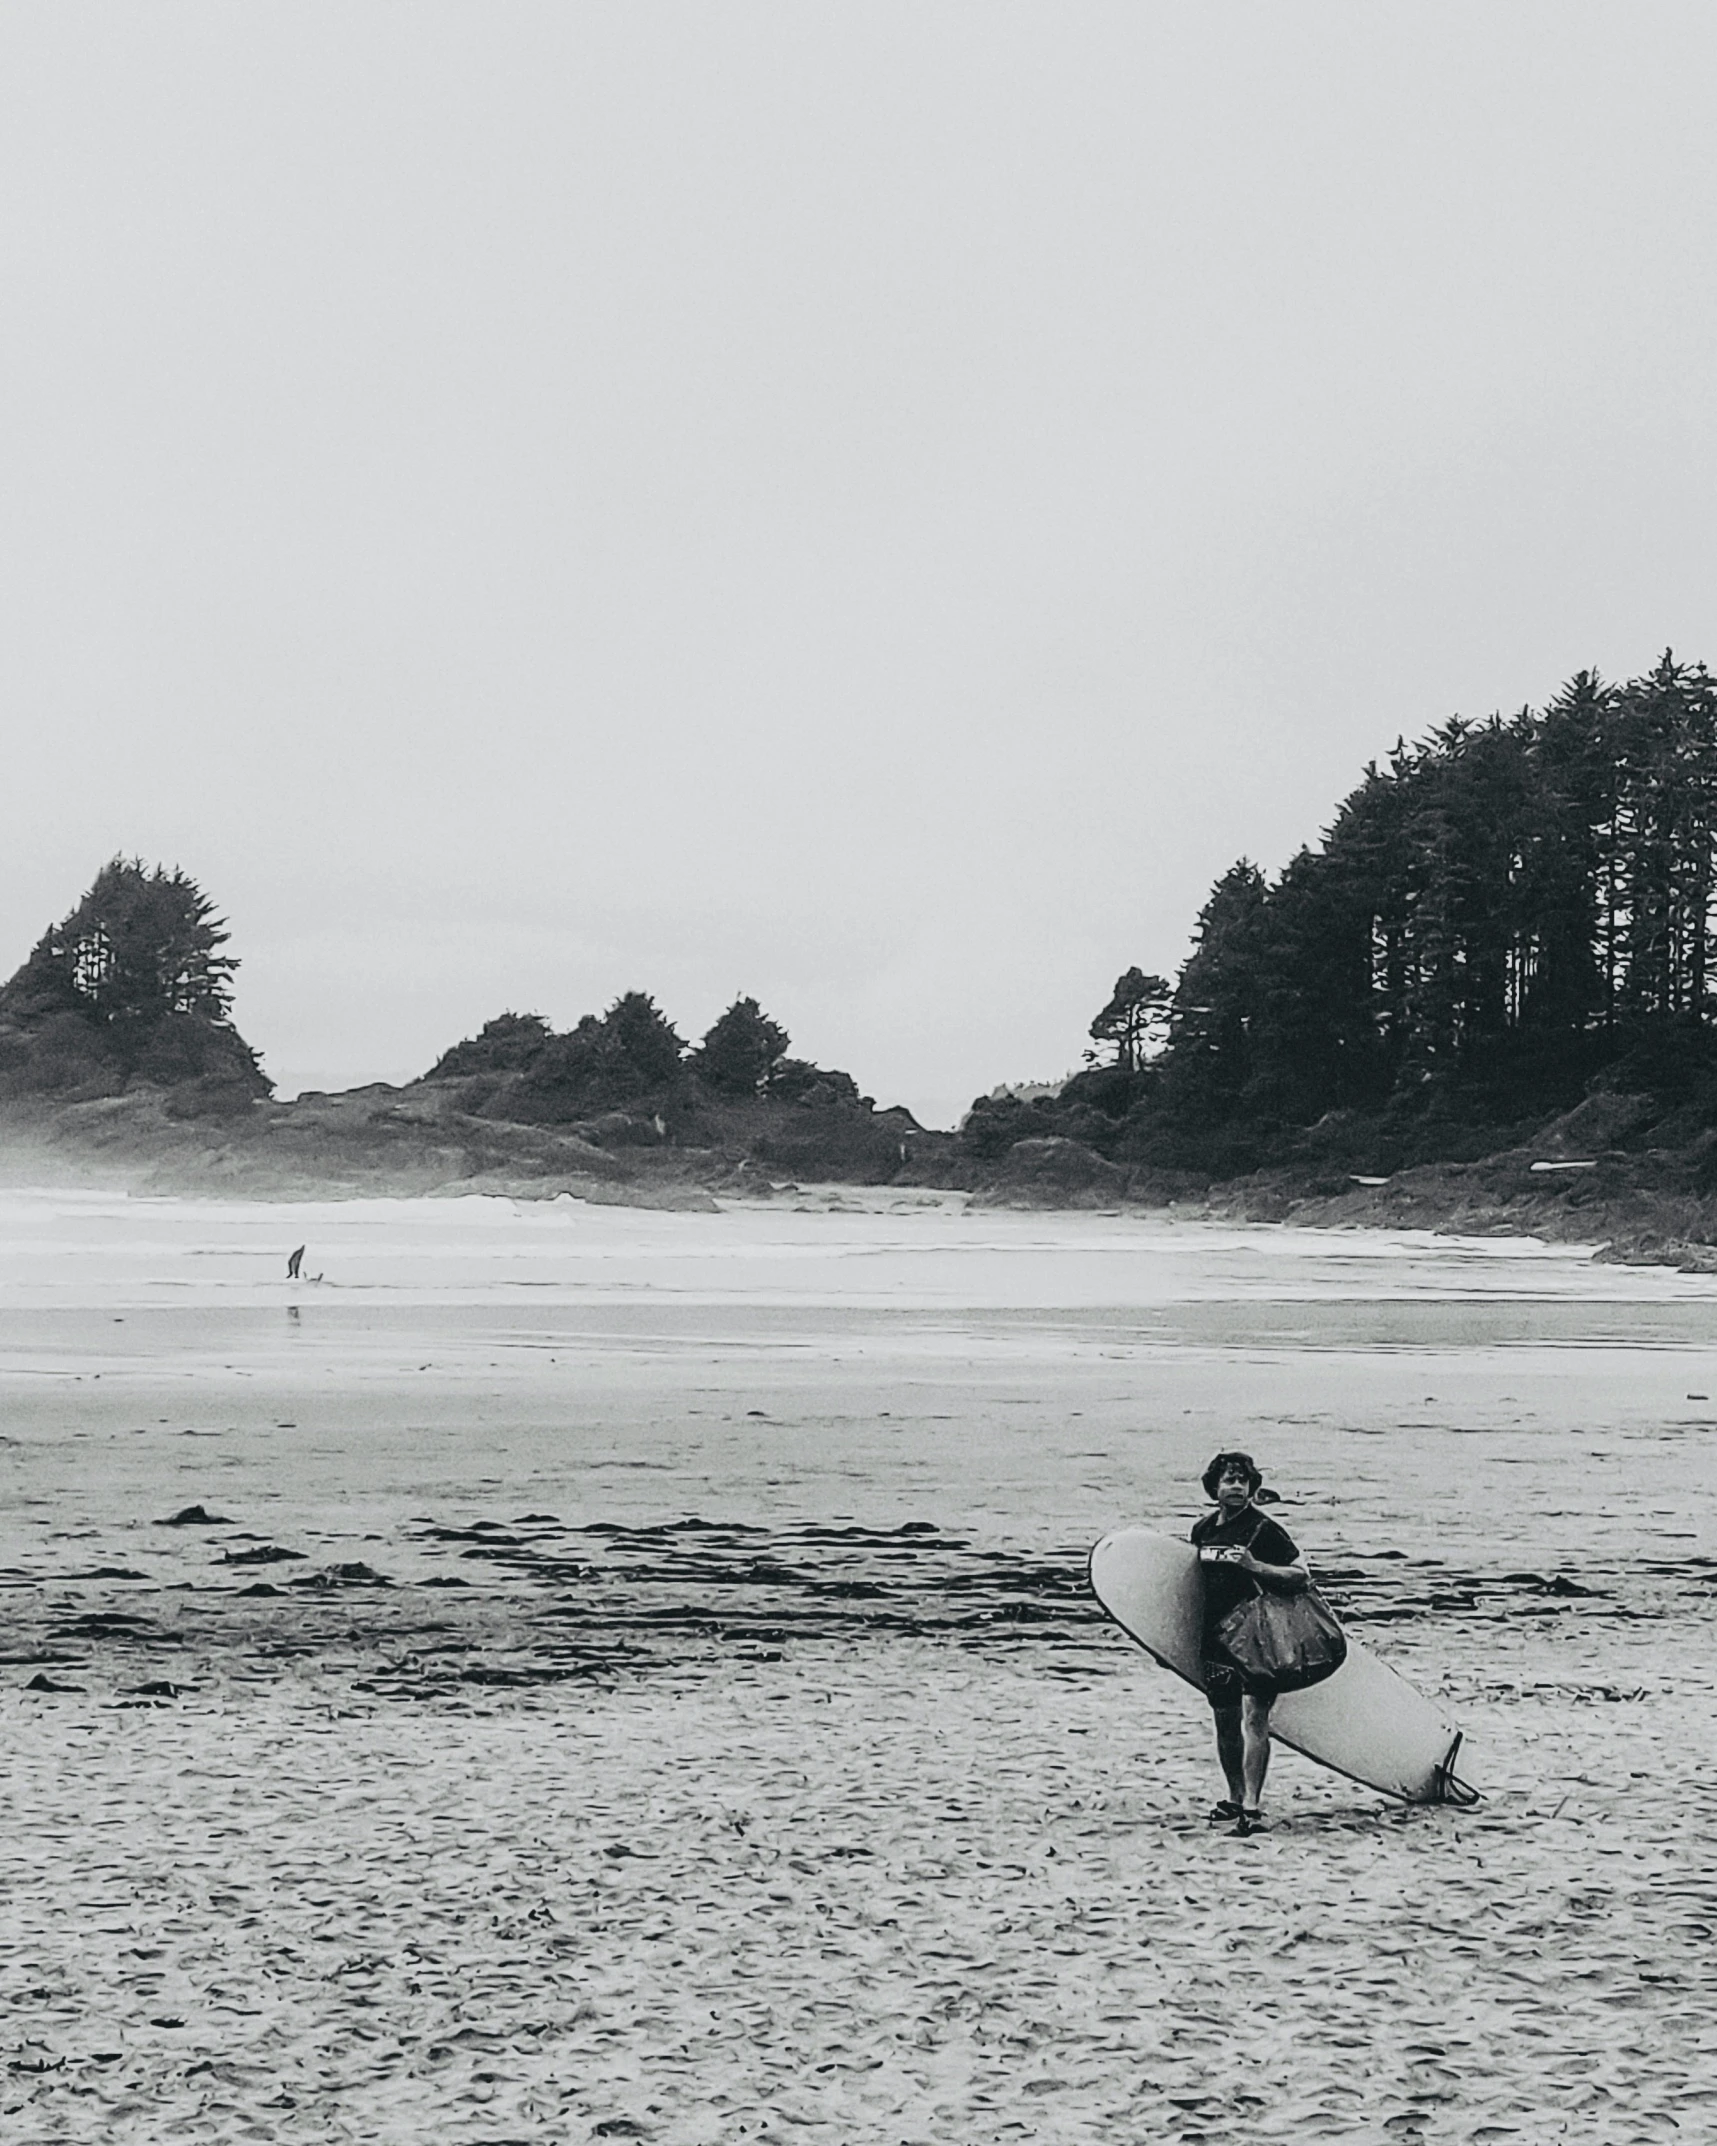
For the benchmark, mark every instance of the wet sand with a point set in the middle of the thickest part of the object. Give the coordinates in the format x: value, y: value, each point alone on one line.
x: 449, y: 1783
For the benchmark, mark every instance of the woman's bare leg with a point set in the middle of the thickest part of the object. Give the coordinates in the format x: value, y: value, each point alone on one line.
x: 1255, y: 1750
x: 1231, y: 1749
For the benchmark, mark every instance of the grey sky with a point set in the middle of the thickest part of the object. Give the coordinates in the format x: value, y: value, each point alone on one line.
x: 874, y: 507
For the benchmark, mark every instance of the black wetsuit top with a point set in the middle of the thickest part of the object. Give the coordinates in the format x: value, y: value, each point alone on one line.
x: 1226, y: 1586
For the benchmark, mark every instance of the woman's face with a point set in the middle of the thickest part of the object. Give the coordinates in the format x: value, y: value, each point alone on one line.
x: 1233, y: 1488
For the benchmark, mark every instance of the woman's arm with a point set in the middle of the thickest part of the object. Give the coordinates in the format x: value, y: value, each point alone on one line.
x: 1286, y: 1579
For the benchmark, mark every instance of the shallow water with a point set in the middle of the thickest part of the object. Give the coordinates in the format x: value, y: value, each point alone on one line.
x: 630, y: 1675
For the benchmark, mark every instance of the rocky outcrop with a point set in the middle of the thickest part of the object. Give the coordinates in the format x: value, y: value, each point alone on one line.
x: 1055, y: 1172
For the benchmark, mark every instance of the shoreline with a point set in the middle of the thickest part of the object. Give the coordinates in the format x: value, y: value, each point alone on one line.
x: 608, y: 1689
x: 382, y: 1142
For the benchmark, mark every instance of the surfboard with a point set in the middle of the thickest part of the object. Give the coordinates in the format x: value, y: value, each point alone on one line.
x: 1365, y: 1721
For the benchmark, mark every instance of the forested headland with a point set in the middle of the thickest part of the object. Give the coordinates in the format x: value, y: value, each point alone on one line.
x: 1504, y: 923
x: 1484, y: 996
x: 133, y: 988
x: 117, y: 1046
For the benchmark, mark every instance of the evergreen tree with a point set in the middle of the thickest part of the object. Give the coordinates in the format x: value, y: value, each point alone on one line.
x: 649, y: 1040
x: 1467, y: 833
x: 1572, y: 878
x: 139, y: 947
x: 586, y: 1069
x: 507, y: 1044
x: 742, y: 1051
x: 1219, y: 997
x: 1501, y: 904
x: 1666, y: 741
x: 132, y: 983
x: 1127, y: 1024
x: 1315, y: 1034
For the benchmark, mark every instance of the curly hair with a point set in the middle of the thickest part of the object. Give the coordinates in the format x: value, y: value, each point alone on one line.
x: 1223, y: 1461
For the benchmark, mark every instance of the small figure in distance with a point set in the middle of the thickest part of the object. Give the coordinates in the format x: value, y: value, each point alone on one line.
x: 1236, y: 1545
x: 294, y: 1261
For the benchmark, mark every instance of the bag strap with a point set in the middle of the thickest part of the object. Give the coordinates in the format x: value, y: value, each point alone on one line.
x: 1260, y: 1521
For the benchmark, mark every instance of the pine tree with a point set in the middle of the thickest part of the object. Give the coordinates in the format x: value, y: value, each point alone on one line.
x: 1499, y: 906
x: 133, y: 983
x: 508, y: 1044
x: 1220, y: 995
x: 1134, y: 1015
x: 1667, y: 736
x: 139, y: 947
x: 1573, y: 885
x: 742, y: 1051
x: 648, y: 1038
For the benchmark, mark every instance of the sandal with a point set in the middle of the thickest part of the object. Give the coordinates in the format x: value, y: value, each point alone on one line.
x: 1251, y: 1822
x: 1224, y: 1813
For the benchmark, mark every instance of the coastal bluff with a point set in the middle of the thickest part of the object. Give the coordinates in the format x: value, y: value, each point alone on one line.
x: 438, y: 1137
x: 120, y: 1065
x: 1618, y: 1171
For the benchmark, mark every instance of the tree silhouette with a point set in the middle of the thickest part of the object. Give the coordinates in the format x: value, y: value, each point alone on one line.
x: 743, y: 1049
x: 138, y: 947
x: 1220, y: 995
x: 647, y: 1037
x: 1128, y: 1023
x: 1499, y: 907
x: 137, y: 973
x: 507, y: 1044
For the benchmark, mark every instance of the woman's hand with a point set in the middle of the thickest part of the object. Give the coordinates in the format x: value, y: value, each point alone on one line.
x: 1287, y: 1579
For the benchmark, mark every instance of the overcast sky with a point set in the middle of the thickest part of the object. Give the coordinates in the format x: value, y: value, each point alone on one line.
x: 874, y: 507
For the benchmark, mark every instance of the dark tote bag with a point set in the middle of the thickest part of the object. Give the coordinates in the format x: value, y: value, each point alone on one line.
x: 1289, y: 1641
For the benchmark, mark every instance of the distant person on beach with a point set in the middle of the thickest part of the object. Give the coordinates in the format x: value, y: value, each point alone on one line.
x: 294, y: 1262
x: 1238, y: 1544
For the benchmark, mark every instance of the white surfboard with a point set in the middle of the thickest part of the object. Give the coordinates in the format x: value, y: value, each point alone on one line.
x: 1365, y: 1721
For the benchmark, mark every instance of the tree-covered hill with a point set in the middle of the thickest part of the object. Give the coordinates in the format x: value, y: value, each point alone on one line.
x: 1499, y: 921
x: 118, y: 1051
x: 627, y: 1079
x: 1484, y: 997
x: 131, y: 988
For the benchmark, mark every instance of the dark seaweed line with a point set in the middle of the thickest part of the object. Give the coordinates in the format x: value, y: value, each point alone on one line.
x: 595, y: 1604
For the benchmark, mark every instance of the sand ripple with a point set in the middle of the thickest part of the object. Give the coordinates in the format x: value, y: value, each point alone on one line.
x: 450, y: 1777
x: 882, y: 1886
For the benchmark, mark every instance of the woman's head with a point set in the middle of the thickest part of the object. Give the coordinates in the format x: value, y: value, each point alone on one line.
x: 1234, y: 1469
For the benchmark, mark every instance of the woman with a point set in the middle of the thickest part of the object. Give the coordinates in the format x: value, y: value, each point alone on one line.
x: 1237, y: 1544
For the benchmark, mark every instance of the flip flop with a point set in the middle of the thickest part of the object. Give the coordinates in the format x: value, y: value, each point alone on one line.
x: 1221, y: 1813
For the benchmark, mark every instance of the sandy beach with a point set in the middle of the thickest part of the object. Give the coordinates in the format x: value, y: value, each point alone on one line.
x: 625, y: 1674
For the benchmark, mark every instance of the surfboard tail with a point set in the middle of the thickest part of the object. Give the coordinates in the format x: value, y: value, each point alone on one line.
x: 1448, y: 1786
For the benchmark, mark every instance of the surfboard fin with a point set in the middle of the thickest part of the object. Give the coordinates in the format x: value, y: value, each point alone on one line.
x: 1450, y: 1788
